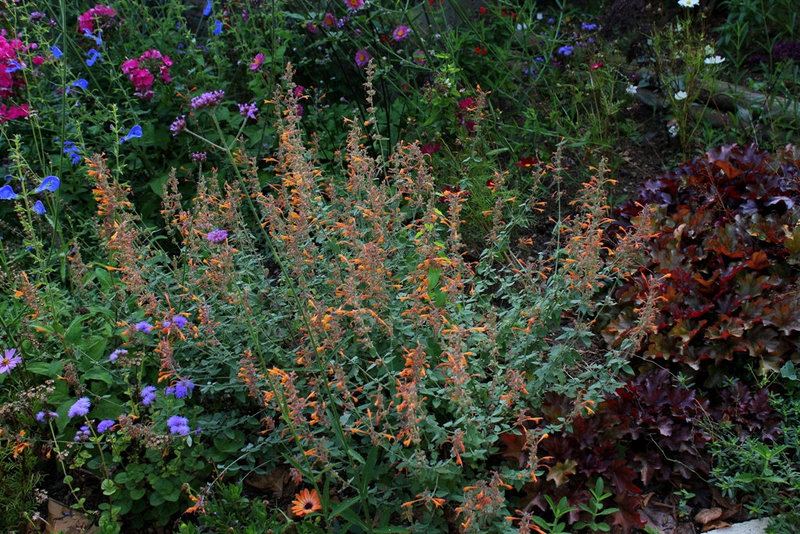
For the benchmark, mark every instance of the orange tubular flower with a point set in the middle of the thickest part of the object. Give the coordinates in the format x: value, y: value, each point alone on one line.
x: 306, y: 502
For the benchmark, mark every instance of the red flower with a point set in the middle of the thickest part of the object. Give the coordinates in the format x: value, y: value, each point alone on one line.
x: 430, y: 148
x: 467, y: 103
x: 527, y: 162
x: 482, y: 10
x: 490, y: 183
x: 596, y: 65
x: 480, y: 51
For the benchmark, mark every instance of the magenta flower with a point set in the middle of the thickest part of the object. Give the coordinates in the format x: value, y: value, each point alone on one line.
x: 329, y: 21
x: 100, y: 14
x: 9, y: 361
x: 400, y: 33
x: 354, y: 4
x: 258, y: 60
x: 362, y: 58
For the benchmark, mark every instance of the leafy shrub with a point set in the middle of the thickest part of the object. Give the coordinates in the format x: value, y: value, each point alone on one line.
x: 720, y: 239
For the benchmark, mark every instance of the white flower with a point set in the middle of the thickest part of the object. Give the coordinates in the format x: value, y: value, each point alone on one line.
x: 713, y: 60
x: 521, y: 27
x: 631, y: 89
x: 688, y: 3
x: 539, y: 16
x: 680, y: 95
x: 673, y: 130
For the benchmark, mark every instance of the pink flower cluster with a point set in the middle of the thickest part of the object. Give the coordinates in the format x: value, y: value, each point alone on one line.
x: 11, y: 77
x: 142, y: 72
x: 104, y: 16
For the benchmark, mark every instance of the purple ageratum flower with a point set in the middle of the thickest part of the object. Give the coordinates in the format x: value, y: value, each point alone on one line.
x: 207, y: 100
x: 178, y: 125
x: 83, y: 434
x: 181, y: 389
x: 566, y: 50
x: 248, y: 110
x: 179, y: 321
x: 362, y: 58
x: 217, y: 236
x: 44, y: 415
x: 104, y: 425
x: 116, y: 354
x: 9, y: 361
x: 148, y: 395
x: 178, y: 425
x: 80, y: 407
x: 400, y: 33
x: 143, y: 326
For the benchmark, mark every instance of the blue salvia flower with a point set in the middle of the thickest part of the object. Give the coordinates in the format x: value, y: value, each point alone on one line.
x: 57, y: 53
x: 136, y: 131
x: 73, y: 151
x: 39, y: 208
x: 93, y: 55
x: 7, y: 193
x: 217, y: 27
x: 207, y: 10
x: 15, y: 66
x: 50, y: 183
x: 97, y: 39
x: 81, y: 83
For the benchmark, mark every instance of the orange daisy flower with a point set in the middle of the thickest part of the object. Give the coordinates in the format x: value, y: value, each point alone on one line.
x: 306, y: 502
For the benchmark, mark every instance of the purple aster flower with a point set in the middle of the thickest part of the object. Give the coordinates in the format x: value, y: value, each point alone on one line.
x: 116, y: 354
x: 143, y: 326
x: 400, y: 33
x: 207, y: 100
x: 104, y: 425
x: 217, y: 236
x: 181, y: 389
x: 362, y: 58
x: 80, y: 407
x: 148, y: 395
x: 83, y: 434
x: 178, y: 425
x: 248, y: 110
x: 9, y: 361
x: 178, y: 125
